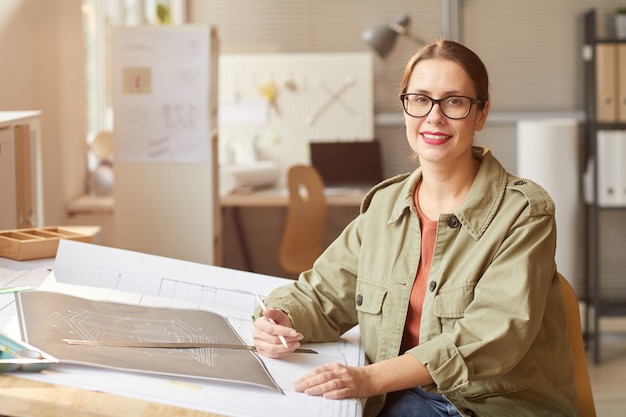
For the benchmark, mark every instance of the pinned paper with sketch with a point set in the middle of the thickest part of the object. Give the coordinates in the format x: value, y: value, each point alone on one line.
x: 137, y: 80
x: 49, y: 320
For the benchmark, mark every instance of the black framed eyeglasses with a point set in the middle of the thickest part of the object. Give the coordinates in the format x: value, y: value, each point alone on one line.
x: 453, y: 107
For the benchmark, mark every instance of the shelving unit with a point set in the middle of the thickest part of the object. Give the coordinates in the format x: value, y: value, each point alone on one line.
x: 603, y: 115
x: 21, y: 195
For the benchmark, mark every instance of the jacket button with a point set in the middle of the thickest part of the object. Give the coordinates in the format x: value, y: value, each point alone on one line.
x: 520, y: 182
x: 452, y: 222
x: 432, y: 286
x: 359, y: 299
x: 469, y: 413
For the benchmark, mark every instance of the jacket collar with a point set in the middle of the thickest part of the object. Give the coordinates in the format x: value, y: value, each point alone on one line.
x: 483, y: 199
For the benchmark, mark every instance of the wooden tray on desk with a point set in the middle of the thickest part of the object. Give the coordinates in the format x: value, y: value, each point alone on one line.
x: 35, y: 243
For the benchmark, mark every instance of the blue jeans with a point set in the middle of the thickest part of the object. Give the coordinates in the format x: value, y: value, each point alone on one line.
x: 416, y: 402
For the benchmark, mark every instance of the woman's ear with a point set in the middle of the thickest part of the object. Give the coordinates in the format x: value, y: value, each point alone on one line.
x: 482, y: 117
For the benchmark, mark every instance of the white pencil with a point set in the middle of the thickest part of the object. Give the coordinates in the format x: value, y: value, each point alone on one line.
x: 281, y: 337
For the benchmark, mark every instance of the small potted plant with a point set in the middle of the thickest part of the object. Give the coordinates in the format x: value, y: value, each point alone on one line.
x: 620, y: 23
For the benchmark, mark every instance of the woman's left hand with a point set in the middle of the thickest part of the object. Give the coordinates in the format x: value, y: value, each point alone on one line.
x: 337, y: 381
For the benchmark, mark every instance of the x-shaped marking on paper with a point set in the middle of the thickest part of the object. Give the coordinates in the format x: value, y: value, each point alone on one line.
x: 334, y: 97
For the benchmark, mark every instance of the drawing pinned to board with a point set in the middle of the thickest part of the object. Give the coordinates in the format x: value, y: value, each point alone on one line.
x: 269, y: 91
x: 180, y: 115
x: 274, y: 137
x: 160, y: 148
x: 137, y: 80
x: 161, y: 90
x: 248, y: 111
x: 334, y: 97
x: 291, y: 85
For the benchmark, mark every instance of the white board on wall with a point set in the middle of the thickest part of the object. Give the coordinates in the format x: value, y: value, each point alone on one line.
x: 275, y: 104
x: 164, y: 105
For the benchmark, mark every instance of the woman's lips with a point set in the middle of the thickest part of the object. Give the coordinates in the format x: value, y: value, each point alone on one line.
x: 434, y: 138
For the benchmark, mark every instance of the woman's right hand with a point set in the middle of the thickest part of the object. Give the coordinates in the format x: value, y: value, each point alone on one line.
x: 268, y: 328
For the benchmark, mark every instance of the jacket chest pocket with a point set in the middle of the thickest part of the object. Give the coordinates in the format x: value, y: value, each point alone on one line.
x: 369, y: 301
x: 369, y: 298
x: 449, y: 306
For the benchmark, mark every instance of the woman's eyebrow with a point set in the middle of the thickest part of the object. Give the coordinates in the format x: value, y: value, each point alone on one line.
x: 445, y: 94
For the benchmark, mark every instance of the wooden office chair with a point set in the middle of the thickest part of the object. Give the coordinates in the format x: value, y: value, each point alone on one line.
x: 586, y: 406
x: 302, y: 240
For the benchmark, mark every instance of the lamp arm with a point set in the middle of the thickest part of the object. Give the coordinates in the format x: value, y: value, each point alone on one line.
x: 415, y: 38
x: 402, y: 30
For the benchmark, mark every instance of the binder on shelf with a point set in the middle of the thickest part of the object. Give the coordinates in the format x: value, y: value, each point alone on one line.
x: 606, y: 82
x: 611, y: 170
x: 621, y: 82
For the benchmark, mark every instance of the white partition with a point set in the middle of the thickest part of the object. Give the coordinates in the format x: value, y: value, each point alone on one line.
x: 547, y: 153
x: 165, y: 81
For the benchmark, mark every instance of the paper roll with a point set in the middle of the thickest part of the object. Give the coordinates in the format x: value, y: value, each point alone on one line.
x: 547, y: 153
x: 253, y: 175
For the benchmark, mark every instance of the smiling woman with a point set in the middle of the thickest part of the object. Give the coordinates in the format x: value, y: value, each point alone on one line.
x: 418, y: 269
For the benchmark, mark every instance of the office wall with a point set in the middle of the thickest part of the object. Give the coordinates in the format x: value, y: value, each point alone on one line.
x: 532, y: 50
x: 42, y: 68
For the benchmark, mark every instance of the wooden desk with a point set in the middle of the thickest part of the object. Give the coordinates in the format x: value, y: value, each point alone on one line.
x: 278, y: 197
x: 50, y: 397
x: 23, y: 397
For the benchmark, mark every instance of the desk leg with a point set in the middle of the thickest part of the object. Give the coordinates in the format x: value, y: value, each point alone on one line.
x: 241, y: 237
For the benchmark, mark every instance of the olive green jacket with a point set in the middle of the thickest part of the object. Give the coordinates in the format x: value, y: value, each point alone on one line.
x: 493, y: 329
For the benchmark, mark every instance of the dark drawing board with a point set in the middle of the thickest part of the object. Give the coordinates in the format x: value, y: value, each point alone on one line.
x: 46, y: 318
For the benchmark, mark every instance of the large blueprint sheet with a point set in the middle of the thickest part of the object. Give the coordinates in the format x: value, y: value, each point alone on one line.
x: 102, y: 273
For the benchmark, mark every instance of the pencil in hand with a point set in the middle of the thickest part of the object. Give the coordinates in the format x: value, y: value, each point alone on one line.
x: 281, y: 337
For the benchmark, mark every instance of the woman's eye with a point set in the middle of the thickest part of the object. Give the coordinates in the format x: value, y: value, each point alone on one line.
x: 454, y: 101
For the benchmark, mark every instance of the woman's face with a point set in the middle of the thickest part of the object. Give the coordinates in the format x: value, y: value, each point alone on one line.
x: 435, y: 138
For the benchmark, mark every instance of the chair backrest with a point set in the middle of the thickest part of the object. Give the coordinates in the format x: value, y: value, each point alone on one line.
x: 303, y: 236
x: 586, y: 406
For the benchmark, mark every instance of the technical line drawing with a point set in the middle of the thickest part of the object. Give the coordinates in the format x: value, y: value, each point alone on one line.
x: 46, y: 318
x: 88, y: 325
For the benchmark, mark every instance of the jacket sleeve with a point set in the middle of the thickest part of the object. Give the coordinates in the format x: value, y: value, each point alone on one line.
x: 321, y: 302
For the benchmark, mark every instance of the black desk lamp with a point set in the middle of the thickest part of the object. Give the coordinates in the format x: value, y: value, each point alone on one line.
x: 382, y: 37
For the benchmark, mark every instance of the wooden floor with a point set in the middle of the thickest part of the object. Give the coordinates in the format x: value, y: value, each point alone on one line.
x: 608, y: 378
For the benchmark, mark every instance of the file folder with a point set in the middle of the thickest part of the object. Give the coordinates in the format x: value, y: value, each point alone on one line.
x: 606, y: 79
x: 611, y: 170
x: 621, y: 82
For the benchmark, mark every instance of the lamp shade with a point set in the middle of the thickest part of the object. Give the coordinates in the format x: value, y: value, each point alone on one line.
x: 381, y: 38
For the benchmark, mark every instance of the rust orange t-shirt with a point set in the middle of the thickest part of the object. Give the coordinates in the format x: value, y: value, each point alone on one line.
x: 416, y: 301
